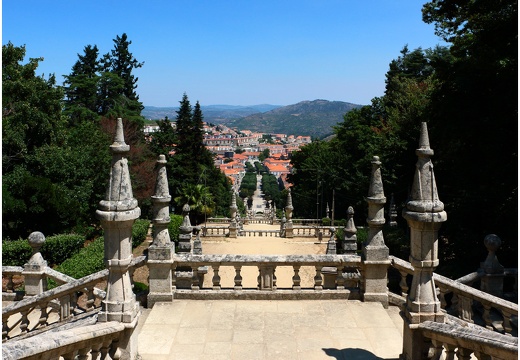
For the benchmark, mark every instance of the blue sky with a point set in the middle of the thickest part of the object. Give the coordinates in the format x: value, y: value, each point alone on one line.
x: 229, y: 52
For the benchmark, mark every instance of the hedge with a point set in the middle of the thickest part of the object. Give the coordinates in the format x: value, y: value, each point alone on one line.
x: 88, y: 261
x: 55, y: 250
x: 139, y: 231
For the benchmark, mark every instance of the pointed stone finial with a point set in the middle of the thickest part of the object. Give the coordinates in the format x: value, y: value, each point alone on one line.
x: 375, y: 191
x: 161, y: 205
x: 119, y: 144
x: 289, y: 200
x: 349, y: 245
x: 423, y: 196
x: 185, y: 230
x: 327, y: 211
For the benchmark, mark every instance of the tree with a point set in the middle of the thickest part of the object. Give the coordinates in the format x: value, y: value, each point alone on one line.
x: 474, y: 119
x: 51, y: 172
x: 200, y: 200
x: 118, y: 84
x: 81, y: 88
x: 163, y: 140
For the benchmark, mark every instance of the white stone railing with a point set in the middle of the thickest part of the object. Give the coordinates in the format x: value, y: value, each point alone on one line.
x: 52, y: 306
x: 307, y: 221
x: 497, y: 313
x: 214, y: 230
x: 86, y: 342
x: 311, y: 231
x: 212, y: 220
x: 73, y: 298
x: 266, y: 280
x: 465, y: 342
x: 259, y: 221
x: 266, y: 233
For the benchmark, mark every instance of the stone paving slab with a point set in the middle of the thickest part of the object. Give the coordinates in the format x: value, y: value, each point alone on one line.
x: 270, y: 329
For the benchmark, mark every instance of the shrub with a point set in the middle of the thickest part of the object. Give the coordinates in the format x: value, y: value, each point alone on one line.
x: 88, y: 261
x: 139, y: 231
x: 55, y: 250
x: 15, y: 252
x: 173, y: 227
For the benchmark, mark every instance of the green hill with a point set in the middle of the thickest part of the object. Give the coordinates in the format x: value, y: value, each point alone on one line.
x: 314, y: 118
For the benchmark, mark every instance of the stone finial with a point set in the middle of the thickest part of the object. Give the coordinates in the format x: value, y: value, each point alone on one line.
x: 331, y: 244
x: 423, y: 196
x: 233, y: 208
x: 197, y: 244
x: 119, y: 198
x: 491, y: 264
x: 376, y: 195
x: 36, y: 240
x: 161, y: 205
x: 289, y: 207
x: 327, y: 211
x: 117, y: 213
x: 185, y: 230
x: 350, y: 237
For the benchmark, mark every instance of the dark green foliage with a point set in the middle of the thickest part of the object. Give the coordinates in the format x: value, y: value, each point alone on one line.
x: 173, y: 227
x: 15, y: 252
x: 163, y: 140
x: 88, y: 261
x: 139, y: 231
x: 248, y: 185
x: 271, y: 189
x: 55, y: 250
x: 193, y: 163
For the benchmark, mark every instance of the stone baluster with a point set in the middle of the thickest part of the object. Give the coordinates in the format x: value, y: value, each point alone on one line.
x: 424, y: 213
x: 34, y: 270
x: 24, y: 323
x: 238, y: 277
x: 375, y: 253
x: 91, y: 299
x: 492, y: 280
x: 288, y: 215
x: 10, y: 283
x: 216, y: 277
x: 318, y: 280
x: 486, y: 316
x: 44, y: 315
x: 463, y: 354
x: 162, y: 249
x: 450, y: 351
x: 65, y: 307
x: 83, y: 354
x: 465, y: 309
x: 296, y: 278
x: 195, y: 278
x: 506, y: 316
x: 117, y: 213
x: 403, y: 283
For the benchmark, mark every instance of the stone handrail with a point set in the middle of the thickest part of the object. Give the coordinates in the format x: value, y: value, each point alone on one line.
x: 214, y: 230
x: 93, y: 340
x: 464, y: 341
x: 307, y: 221
x: 266, y: 280
x: 271, y: 233
x: 9, y: 272
x: 16, y: 316
x: 218, y: 220
x: 311, y: 231
x: 466, y: 296
x: 65, y: 295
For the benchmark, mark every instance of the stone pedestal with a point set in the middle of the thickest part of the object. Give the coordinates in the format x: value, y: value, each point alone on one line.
x: 492, y: 280
x: 35, y: 279
x: 375, y: 253
x: 160, y: 261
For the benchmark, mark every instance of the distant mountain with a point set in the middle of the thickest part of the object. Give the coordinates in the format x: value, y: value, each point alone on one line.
x: 212, y: 113
x: 314, y: 118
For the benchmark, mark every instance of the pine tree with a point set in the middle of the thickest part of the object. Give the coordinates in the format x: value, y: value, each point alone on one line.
x: 81, y: 87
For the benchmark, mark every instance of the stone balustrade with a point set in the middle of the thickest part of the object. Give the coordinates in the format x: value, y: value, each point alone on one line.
x: 311, y: 231
x: 213, y: 220
x: 207, y: 231
x: 266, y: 280
x: 86, y: 342
x: 497, y: 313
x: 271, y: 233
x: 467, y: 342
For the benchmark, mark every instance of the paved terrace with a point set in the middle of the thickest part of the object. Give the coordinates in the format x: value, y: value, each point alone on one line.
x: 264, y: 329
x: 269, y: 329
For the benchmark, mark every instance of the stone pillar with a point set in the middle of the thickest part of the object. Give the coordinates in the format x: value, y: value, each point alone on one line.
x: 424, y: 213
x: 288, y: 215
x: 330, y: 273
x: 183, y: 275
x: 117, y: 213
x: 492, y: 280
x: 349, y: 244
x: 35, y: 279
x: 375, y: 252
x: 160, y: 252
x: 233, y: 210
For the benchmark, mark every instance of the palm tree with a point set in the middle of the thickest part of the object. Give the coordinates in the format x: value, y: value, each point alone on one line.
x: 200, y: 200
